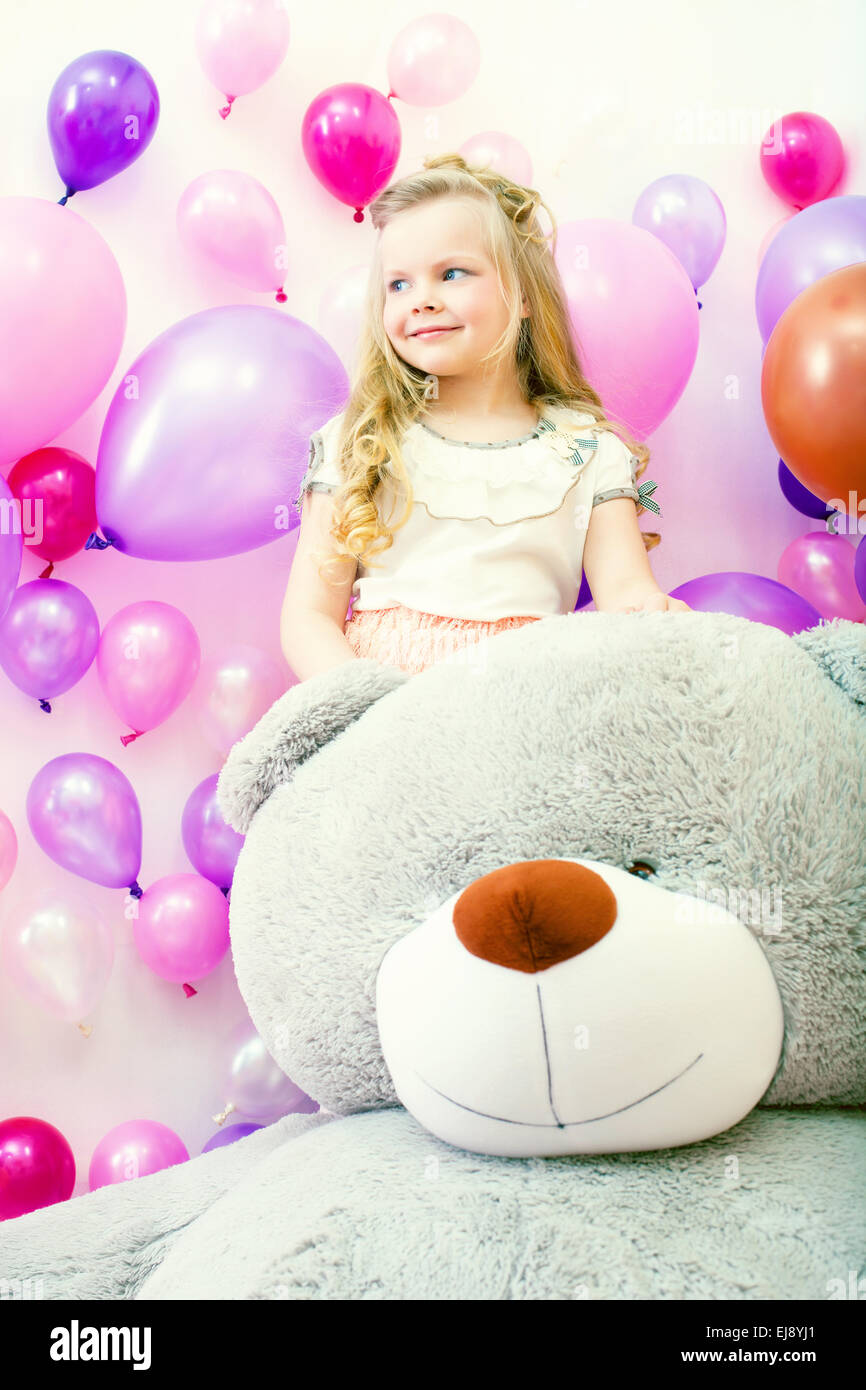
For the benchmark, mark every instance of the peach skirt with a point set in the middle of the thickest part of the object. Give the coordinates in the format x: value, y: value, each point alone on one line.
x: 412, y: 640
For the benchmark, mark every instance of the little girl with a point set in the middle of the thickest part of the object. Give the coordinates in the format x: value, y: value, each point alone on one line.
x: 472, y: 456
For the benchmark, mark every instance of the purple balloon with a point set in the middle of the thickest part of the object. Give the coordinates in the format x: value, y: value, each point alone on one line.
x: 802, y: 497
x: 85, y: 815
x: 11, y: 544
x: 229, y: 1135
x: 102, y: 114
x: 687, y: 215
x: 211, y: 845
x: 48, y: 638
x: 206, y: 459
x: 751, y: 596
x: 860, y: 569
x: 822, y: 238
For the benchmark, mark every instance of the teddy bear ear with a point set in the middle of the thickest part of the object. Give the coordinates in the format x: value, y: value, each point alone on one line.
x: 839, y: 648
x: 307, y: 716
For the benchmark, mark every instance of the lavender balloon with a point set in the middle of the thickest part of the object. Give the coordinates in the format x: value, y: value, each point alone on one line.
x: 48, y: 638
x: 751, y: 596
x: 822, y: 238
x: 687, y: 215
x: 212, y: 846
x: 85, y: 815
x: 230, y: 1135
x: 11, y: 545
x: 206, y: 459
x: 859, y: 573
x: 102, y: 115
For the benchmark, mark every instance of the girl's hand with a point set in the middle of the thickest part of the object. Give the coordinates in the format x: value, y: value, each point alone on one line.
x: 659, y: 603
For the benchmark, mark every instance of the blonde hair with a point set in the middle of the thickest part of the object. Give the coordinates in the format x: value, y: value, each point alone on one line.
x: 388, y: 394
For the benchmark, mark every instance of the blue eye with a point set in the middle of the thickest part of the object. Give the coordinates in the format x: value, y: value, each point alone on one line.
x: 447, y: 272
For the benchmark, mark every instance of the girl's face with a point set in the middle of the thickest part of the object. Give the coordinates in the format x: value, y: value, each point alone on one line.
x: 437, y: 275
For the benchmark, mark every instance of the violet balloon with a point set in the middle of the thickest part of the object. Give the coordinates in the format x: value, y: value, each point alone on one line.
x: 859, y: 577
x: 85, y: 815
x: 37, y: 1166
x: 11, y: 544
x: 820, y: 567
x: 48, y: 638
x: 820, y: 239
x: 182, y: 928
x: 751, y: 596
x: 687, y: 215
x: 211, y: 845
x: 800, y: 497
x: 351, y: 140
x: 230, y: 1135
x: 148, y: 658
x: 206, y: 459
x: 102, y: 115
x: 256, y: 1085
x: 133, y: 1150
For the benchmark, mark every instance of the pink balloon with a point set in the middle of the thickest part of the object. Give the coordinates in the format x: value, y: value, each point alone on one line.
x: 148, y: 659
x: 133, y: 1150
x: 37, y: 1167
x: 241, y: 43
x: 351, y: 140
x: 820, y: 566
x: 59, y: 952
x: 182, y: 927
x: 236, y: 687
x: 8, y: 849
x: 63, y: 321
x: 495, y: 150
x: 802, y: 158
x: 341, y: 309
x: 230, y: 219
x: 433, y: 60
x: 634, y: 315
x: 776, y: 227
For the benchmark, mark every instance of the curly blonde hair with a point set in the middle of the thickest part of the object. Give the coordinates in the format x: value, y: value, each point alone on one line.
x: 388, y: 394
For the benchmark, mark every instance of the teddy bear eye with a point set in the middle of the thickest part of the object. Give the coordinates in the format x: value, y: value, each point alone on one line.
x: 641, y: 868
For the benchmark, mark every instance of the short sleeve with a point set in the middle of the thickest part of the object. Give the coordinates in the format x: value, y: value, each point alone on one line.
x: 323, y: 473
x: 614, y: 470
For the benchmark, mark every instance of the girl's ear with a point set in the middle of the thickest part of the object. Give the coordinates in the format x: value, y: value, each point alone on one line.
x: 309, y: 715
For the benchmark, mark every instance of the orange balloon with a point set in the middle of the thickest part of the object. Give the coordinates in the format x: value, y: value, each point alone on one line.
x: 813, y: 386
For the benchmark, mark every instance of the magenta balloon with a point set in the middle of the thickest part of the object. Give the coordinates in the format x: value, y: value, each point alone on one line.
x: 11, y: 545
x: 351, y: 140
x: 148, y: 659
x: 37, y: 1166
x: 820, y: 567
x: 182, y: 928
x: 820, y: 239
x: 102, y: 115
x: 48, y: 637
x: 212, y: 846
x: 802, y: 157
x: 85, y: 815
x: 133, y: 1150
x: 687, y: 215
x: 751, y: 596
x: 207, y: 458
x: 634, y: 315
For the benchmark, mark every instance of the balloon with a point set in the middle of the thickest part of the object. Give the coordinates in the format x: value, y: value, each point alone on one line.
x: 800, y: 497
x: 230, y: 219
x: 102, y: 115
x: 687, y: 215
x: 59, y: 952
x: 751, y: 596
x: 820, y: 567
x: 433, y: 60
x: 85, y: 815
x: 48, y: 638
x: 133, y: 1150
x: 37, y: 1167
x: 341, y: 310
x: 351, y: 140
x: 635, y: 318
x: 229, y: 1135
x: 812, y: 383
x: 240, y: 44
x: 802, y: 158
x: 182, y: 927
x: 257, y: 1087
x: 63, y: 296
x: 211, y: 845
x: 493, y: 149
x: 55, y: 488
x: 859, y: 573
x: 207, y: 458
x: 8, y: 849
x: 11, y: 542
x: 815, y: 242
x: 148, y: 659
x: 236, y: 687
x: 768, y: 236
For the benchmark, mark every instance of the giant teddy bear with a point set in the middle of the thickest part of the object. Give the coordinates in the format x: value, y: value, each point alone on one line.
x: 566, y: 936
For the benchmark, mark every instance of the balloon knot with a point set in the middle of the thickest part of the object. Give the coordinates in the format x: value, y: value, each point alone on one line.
x: 700, y: 305
x: 70, y: 193
x: 134, y: 890
x: 46, y: 573
x: 359, y: 216
x: 95, y: 542
x: 128, y: 738
x: 189, y: 991
x: 85, y: 1028
x: 220, y: 1119
x: 44, y: 705
x: 280, y: 297
x: 224, y: 110
x: 390, y: 95
x: 225, y: 891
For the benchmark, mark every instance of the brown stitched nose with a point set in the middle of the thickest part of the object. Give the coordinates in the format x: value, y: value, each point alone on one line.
x: 534, y: 914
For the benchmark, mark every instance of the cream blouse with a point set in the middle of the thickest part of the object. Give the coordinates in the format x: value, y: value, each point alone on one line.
x: 496, y: 530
